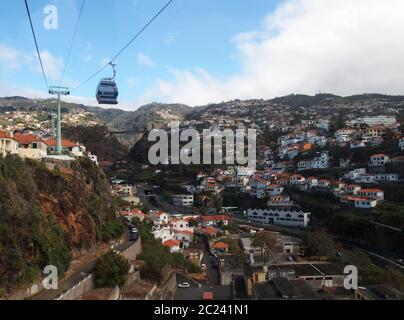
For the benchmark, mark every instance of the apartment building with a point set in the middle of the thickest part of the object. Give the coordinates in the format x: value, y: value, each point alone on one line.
x: 282, y: 217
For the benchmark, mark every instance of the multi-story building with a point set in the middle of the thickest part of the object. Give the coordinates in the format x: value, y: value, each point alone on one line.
x: 372, y: 193
x: 183, y: 200
x: 379, y: 159
x: 283, y: 217
x: 320, y: 162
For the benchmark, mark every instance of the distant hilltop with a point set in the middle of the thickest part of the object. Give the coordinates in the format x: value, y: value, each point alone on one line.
x: 160, y: 114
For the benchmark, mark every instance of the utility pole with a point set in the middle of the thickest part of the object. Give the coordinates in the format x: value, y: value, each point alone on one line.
x: 59, y: 91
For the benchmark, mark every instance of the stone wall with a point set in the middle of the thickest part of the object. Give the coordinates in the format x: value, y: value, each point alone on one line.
x: 133, y: 251
x: 167, y: 292
x: 79, y: 289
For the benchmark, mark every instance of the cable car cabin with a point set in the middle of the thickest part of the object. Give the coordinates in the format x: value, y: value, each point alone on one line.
x: 107, y: 92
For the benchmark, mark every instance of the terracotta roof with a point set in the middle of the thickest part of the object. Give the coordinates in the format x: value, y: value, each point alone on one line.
x: 171, y: 243
x: 26, y: 138
x: 379, y: 155
x: 215, y: 218
x: 209, y: 230
x: 65, y: 143
x: 220, y: 245
x: 371, y: 190
x: 190, y: 233
x: 5, y: 135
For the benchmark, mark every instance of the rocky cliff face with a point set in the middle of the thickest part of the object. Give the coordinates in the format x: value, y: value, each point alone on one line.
x: 46, y: 216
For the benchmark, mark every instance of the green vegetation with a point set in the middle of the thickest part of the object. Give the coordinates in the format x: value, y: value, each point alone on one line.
x: 267, y: 242
x: 358, y: 228
x: 111, y: 270
x: 231, y: 228
x: 45, y: 214
x: 369, y: 273
x: 29, y: 239
x: 319, y: 244
x: 98, y: 140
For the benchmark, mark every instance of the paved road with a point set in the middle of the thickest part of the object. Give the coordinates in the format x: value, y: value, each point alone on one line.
x: 213, y: 284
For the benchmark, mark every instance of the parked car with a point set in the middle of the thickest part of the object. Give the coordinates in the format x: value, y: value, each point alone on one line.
x: 134, y: 230
x: 184, y: 285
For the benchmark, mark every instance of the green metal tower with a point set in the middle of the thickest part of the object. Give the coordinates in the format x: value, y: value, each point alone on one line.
x: 59, y: 91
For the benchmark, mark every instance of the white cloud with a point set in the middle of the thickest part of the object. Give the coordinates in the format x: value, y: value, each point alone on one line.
x: 144, y: 60
x: 306, y: 46
x: 7, y: 90
x: 11, y: 58
x: 52, y: 65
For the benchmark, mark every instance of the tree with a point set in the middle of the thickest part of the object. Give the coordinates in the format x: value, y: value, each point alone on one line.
x: 267, y: 242
x: 111, y: 270
x: 319, y: 243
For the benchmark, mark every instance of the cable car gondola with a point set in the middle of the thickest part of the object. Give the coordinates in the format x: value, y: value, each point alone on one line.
x: 107, y: 90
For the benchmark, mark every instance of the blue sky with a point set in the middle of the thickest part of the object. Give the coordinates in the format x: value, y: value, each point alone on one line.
x: 202, y: 51
x: 190, y: 34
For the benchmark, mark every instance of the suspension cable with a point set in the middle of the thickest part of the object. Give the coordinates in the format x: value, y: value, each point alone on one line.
x: 72, y: 42
x: 36, y: 43
x: 127, y: 45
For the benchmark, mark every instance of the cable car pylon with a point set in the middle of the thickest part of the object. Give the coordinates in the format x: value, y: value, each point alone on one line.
x: 59, y: 91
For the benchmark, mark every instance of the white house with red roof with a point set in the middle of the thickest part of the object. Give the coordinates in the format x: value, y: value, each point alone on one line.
x: 68, y: 146
x: 184, y: 236
x: 7, y: 144
x: 180, y: 224
x: 159, y: 217
x: 359, y: 202
x: 163, y: 233
x: 297, y: 179
x: 30, y: 146
x: 173, y: 244
x: 215, y: 220
x: 135, y: 213
x: 353, y: 189
x: 372, y: 193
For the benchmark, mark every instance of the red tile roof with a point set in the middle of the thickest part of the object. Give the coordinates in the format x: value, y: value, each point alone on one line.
x: 215, y: 218
x: 5, y: 135
x: 188, y: 232
x: 220, y: 245
x: 370, y: 190
x: 26, y: 138
x: 65, y: 143
x: 209, y: 230
x: 171, y: 243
